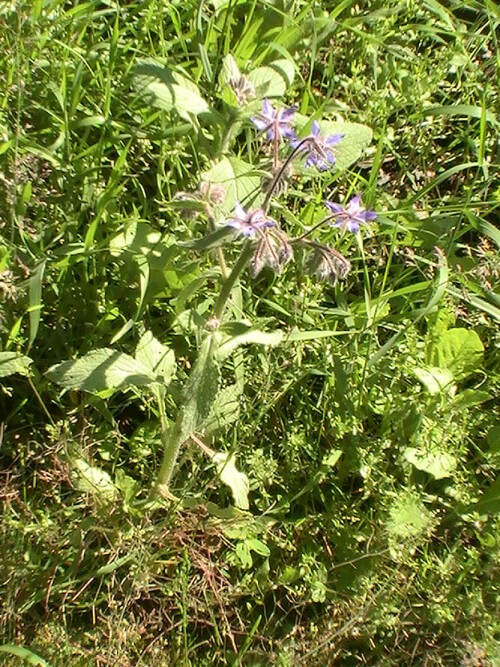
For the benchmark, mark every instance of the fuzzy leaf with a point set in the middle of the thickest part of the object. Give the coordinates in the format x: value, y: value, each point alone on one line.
x: 101, y: 369
x: 225, y: 410
x: 137, y: 238
x: 12, y: 362
x: 459, y: 350
x: 160, y: 360
x: 167, y: 89
x: 357, y: 138
x: 240, y: 179
x: 229, y: 70
x: 272, y: 80
x: 200, y: 391
x: 94, y: 481
x: 435, y: 463
x: 236, y: 480
x: 408, y: 516
x: 255, y: 336
x: 435, y: 380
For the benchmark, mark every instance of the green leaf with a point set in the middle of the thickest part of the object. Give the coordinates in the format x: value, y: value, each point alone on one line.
x: 436, y: 463
x: 12, y: 362
x: 236, y: 480
x: 200, y: 391
x: 255, y: 336
x: 240, y: 179
x: 272, y: 80
x: 158, y: 358
x: 408, y: 516
x: 35, y: 300
x: 459, y: 350
x: 229, y: 70
x: 331, y: 459
x: 101, y: 369
x: 467, y: 110
x: 493, y: 439
x: 25, y: 654
x: 168, y: 90
x: 357, y: 138
x: 243, y: 553
x: 137, y: 238
x: 259, y: 547
x: 469, y: 398
x: 225, y: 409
x: 489, y: 502
x: 435, y: 380
x: 94, y: 481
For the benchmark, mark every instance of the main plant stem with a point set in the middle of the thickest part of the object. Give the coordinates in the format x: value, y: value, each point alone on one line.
x: 173, y: 438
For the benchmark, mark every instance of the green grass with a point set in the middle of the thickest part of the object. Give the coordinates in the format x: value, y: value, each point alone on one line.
x: 357, y: 549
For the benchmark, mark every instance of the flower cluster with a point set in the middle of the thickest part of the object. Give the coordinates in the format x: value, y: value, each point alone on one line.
x: 273, y: 248
x: 276, y: 123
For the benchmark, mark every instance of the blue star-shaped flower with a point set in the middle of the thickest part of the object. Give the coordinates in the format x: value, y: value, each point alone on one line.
x: 318, y: 147
x: 249, y: 222
x: 352, y: 216
x: 275, y: 122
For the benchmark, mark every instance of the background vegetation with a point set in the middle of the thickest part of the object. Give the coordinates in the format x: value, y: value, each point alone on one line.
x: 372, y: 444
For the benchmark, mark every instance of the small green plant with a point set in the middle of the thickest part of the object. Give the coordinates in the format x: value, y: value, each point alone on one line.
x: 244, y: 206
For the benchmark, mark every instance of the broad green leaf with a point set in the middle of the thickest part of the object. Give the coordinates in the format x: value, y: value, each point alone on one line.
x: 94, y: 481
x: 200, y: 391
x: 225, y: 410
x: 489, y: 502
x: 137, y: 238
x: 435, y: 380
x: 155, y: 356
x: 168, y: 90
x: 240, y: 179
x: 331, y: 459
x: 25, y: 654
x: 439, y: 464
x: 357, y: 138
x: 255, y: 336
x: 12, y: 362
x: 272, y: 80
x: 469, y: 398
x: 128, y: 486
x: 493, y: 439
x: 101, y: 369
x: 459, y: 350
x: 236, y: 480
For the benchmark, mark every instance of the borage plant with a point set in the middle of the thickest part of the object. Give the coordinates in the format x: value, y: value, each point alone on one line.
x: 247, y: 207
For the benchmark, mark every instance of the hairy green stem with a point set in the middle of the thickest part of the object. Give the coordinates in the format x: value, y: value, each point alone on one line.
x: 173, y: 438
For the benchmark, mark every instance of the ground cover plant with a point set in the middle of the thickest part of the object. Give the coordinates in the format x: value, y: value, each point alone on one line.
x: 249, y: 333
